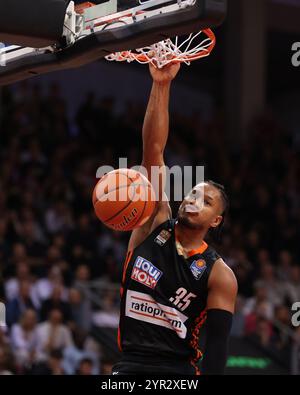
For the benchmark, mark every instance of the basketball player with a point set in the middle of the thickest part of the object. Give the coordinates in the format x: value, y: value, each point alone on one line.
x: 172, y: 280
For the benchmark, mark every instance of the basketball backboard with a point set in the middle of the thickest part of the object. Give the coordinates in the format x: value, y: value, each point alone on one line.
x: 92, y: 31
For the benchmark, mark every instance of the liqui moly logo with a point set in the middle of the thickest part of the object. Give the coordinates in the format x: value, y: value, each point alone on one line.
x: 145, y: 272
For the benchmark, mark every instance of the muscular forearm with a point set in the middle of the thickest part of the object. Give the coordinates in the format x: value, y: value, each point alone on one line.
x: 156, y: 123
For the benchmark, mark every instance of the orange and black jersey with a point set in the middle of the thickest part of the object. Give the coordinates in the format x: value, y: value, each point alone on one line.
x: 163, y: 299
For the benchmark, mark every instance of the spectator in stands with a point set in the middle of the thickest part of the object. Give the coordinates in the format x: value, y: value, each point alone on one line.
x: 52, y: 335
x: 274, y: 287
x: 24, y: 338
x: 284, y: 266
x: 19, y: 252
x: 81, y: 280
x: 243, y: 270
x: 238, y: 323
x: 263, y: 334
x: 50, y: 367
x: 43, y: 288
x: 81, y: 311
x: 17, y: 306
x: 83, y: 235
x: 22, y: 273
x: 108, y: 316
x: 53, y: 256
x: 74, y: 354
x: 253, y: 319
x: 85, y: 367
x: 31, y: 238
x: 58, y: 218
x: 260, y: 296
x: 56, y: 301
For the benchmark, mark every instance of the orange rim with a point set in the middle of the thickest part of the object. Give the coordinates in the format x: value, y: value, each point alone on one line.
x: 185, y: 58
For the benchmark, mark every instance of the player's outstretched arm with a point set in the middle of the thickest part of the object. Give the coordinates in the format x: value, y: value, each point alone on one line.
x: 155, y: 136
x: 222, y: 294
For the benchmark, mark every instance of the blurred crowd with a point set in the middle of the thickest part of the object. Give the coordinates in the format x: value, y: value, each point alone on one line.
x: 53, y: 248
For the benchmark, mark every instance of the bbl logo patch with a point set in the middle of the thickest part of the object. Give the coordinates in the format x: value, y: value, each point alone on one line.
x: 162, y: 238
x: 145, y: 272
x: 198, y: 268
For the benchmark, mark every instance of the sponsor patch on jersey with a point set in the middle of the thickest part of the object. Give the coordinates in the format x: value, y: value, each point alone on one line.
x: 145, y: 272
x: 143, y: 307
x: 163, y: 237
x: 198, y: 268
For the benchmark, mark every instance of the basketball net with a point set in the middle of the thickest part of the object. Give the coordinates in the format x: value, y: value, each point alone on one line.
x: 183, y: 50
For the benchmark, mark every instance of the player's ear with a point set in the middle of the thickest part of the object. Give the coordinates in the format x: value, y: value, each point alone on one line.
x: 217, y: 221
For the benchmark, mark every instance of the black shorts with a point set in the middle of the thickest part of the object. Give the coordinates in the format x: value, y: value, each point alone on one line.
x: 153, y: 368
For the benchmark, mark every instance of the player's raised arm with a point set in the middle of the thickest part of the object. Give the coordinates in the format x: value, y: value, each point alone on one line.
x: 155, y: 136
x: 156, y: 124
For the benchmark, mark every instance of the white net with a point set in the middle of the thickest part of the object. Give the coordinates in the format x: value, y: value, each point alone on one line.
x: 184, y: 50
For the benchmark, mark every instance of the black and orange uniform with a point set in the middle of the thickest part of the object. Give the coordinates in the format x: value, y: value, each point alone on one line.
x: 163, y: 305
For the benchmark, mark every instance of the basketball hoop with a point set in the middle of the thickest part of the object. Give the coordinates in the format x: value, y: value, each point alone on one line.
x: 183, y: 50
x: 82, y: 34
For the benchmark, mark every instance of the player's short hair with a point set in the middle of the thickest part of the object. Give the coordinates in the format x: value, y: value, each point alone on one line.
x: 216, y: 233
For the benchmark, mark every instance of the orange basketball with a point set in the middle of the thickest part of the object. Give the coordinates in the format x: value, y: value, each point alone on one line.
x: 124, y: 199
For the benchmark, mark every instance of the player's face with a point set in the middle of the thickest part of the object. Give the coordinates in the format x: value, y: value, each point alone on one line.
x: 201, y: 208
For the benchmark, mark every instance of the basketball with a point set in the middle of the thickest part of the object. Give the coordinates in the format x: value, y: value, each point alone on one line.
x: 124, y: 199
